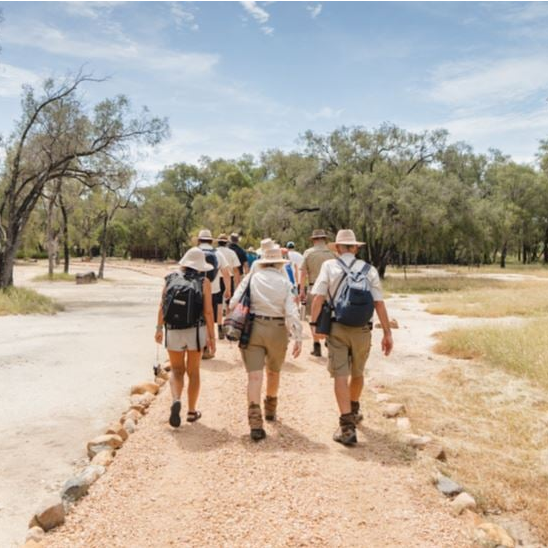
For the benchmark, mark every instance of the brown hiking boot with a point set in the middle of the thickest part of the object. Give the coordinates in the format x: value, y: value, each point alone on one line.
x: 346, y: 433
x: 270, y: 404
x: 317, y: 350
x: 358, y: 416
x: 255, y: 418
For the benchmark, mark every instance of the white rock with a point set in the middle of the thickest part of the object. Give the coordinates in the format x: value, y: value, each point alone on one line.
x: 462, y: 502
x: 392, y: 410
x: 403, y: 423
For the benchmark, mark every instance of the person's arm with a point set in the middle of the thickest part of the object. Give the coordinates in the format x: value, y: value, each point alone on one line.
x: 293, y: 322
x: 236, y: 270
x: 209, y: 316
x: 225, y: 273
x: 387, y: 343
x: 239, y: 292
x: 302, y: 283
x: 159, y: 335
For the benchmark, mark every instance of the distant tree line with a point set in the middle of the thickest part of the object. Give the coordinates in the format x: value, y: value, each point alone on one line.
x: 413, y: 198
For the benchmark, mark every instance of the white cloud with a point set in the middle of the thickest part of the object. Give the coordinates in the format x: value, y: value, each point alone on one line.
x: 259, y: 14
x: 12, y: 79
x: 88, y: 10
x: 314, y: 10
x: 183, y: 18
x: 121, y: 49
x: 325, y: 113
x: 267, y: 30
x: 488, y: 82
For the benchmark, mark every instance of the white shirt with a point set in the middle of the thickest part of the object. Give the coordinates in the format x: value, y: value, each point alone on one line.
x: 216, y: 283
x: 296, y: 258
x: 331, y: 274
x: 271, y: 295
x: 231, y: 258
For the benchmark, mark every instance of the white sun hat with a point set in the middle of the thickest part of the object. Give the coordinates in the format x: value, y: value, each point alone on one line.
x: 195, y: 258
x: 347, y: 237
x: 272, y: 255
x: 205, y: 234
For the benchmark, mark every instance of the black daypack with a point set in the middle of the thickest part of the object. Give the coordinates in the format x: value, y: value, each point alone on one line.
x: 211, y: 258
x: 355, y: 305
x: 183, y: 300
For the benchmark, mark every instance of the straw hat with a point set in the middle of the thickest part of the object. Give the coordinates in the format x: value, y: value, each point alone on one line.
x: 267, y: 243
x: 318, y: 234
x: 195, y: 258
x: 272, y: 255
x: 205, y: 234
x: 222, y: 237
x: 344, y: 237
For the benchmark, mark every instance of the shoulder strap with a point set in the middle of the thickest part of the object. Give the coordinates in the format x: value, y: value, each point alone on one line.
x: 346, y: 271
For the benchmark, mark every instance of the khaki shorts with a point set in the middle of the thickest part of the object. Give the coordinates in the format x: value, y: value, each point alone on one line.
x: 348, y: 350
x: 309, y: 299
x: 267, y: 345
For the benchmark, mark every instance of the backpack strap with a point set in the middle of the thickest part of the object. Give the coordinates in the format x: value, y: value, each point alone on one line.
x: 346, y: 271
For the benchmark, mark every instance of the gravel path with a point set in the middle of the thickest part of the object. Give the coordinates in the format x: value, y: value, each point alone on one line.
x: 207, y: 484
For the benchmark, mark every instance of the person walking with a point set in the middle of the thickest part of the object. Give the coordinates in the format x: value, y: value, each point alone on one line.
x: 244, y: 266
x: 295, y: 257
x: 186, y: 314
x: 251, y: 256
x: 313, y: 259
x: 232, y: 259
x: 275, y: 317
x: 220, y: 273
x: 349, y: 345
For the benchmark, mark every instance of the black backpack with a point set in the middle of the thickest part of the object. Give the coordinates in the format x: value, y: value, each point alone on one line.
x: 183, y: 300
x: 211, y: 258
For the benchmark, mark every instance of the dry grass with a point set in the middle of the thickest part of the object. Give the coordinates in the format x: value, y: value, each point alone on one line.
x: 494, y: 431
x: 19, y: 300
x: 438, y: 284
x: 57, y: 277
x: 521, y: 350
x: 493, y: 301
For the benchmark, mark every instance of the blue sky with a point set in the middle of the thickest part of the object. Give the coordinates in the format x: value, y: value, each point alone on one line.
x: 243, y: 77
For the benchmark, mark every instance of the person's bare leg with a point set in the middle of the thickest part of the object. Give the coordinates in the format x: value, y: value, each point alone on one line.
x: 177, y: 377
x: 193, y: 370
x: 220, y: 314
x: 342, y: 393
x: 272, y: 383
x: 356, y: 387
x: 254, y: 386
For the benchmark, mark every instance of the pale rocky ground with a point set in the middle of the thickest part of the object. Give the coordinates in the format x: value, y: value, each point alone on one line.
x: 206, y: 484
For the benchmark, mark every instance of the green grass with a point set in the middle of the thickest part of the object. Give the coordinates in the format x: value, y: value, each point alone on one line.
x: 519, y: 349
x: 20, y: 300
x: 57, y: 277
x: 437, y: 284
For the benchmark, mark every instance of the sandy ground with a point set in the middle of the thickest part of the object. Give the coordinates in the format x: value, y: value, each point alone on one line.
x: 63, y: 378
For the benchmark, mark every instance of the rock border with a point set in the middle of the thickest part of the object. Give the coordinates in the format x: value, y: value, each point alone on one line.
x: 483, y: 532
x: 101, y: 450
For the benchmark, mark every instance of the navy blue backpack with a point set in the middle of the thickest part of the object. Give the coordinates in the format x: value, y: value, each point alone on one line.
x: 355, y: 305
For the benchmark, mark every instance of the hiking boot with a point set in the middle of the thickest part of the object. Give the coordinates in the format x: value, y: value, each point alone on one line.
x: 270, y: 404
x: 255, y: 418
x: 221, y: 332
x: 346, y: 433
x: 358, y: 416
x: 207, y: 355
x: 175, y: 416
x: 317, y: 351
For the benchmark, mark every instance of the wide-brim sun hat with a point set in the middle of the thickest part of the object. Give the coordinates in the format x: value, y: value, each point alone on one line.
x: 222, y: 238
x: 346, y: 237
x: 272, y: 256
x: 205, y: 234
x: 318, y: 234
x: 267, y: 243
x: 195, y: 258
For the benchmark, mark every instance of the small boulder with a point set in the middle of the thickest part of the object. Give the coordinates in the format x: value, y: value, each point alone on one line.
x: 103, y: 458
x: 132, y: 414
x: 74, y: 489
x: 462, y: 502
x: 392, y: 410
x: 492, y: 535
x: 32, y: 544
x: 418, y: 442
x: 129, y: 426
x: 403, y: 423
x: 50, y: 514
x: 447, y: 486
x: 144, y: 400
x: 144, y: 387
x: 35, y: 534
x: 394, y: 324
x: 92, y: 473
x: 86, y: 278
x: 436, y: 451
x: 160, y: 381
x: 102, y: 443
x: 118, y: 429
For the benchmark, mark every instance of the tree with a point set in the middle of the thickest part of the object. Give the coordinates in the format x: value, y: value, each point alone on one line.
x: 55, y: 140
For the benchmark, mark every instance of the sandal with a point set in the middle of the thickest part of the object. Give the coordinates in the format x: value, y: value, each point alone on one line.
x: 193, y: 416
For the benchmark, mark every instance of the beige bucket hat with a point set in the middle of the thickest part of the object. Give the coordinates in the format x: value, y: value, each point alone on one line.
x: 318, y: 234
x: 222, y: 237
x: 195, y: 258
x: 205, y: 234
x: 272, y: 255
x: 346, y: 237
x: 267, y: 243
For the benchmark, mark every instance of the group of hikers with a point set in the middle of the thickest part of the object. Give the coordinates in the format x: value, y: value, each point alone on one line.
x: 328, y: 284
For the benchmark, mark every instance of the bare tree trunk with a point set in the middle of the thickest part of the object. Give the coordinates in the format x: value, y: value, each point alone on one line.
x: 101, y: 272
x: 51, y: 237
x: 66, y: 249
x: 545, y: 250
x: 503, y: 253
x: 7, y: 257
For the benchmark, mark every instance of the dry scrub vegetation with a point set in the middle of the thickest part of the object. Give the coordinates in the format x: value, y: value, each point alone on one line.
x: 19, y: 300
x: 437, y: 284
x: 56, y: 277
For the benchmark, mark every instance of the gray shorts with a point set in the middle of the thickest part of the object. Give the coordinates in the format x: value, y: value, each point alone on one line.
x: 178, y: 340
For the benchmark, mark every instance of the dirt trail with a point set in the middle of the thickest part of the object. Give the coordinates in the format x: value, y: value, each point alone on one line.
x: 207, y: 484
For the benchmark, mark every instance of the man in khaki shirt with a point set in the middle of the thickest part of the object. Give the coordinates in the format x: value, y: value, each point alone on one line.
x: 313, y: 258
